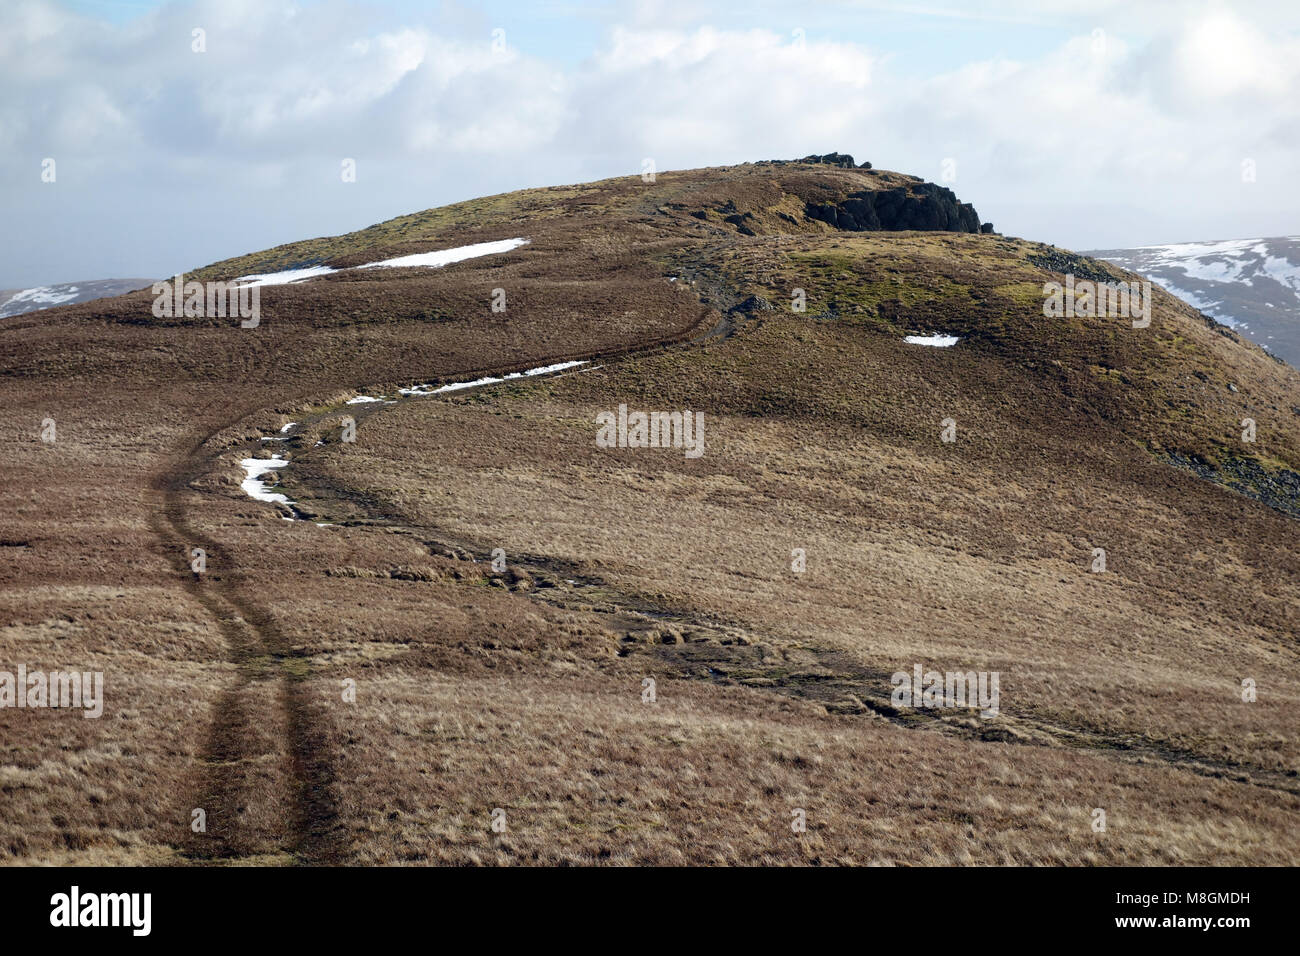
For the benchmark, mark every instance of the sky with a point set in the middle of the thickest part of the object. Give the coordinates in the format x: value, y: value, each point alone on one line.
x: 132, y: 146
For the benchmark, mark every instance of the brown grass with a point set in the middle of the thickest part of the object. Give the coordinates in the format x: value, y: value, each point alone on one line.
x: 522, y: 691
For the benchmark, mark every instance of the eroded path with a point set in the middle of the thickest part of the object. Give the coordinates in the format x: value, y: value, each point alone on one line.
x: 265, y: 782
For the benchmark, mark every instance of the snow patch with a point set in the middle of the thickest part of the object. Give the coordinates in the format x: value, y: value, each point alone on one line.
x: 938, y: 341
x: 447, y: 256
x: 253, y: 485
x: 437, y: 259
x: 285, y: 277
x: 418, y: 390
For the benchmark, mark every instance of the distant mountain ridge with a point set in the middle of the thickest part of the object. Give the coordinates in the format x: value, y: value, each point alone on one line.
x: 20, y: 301
x: 1252, y: 285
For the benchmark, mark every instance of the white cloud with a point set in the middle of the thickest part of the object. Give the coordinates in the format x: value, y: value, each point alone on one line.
x: 1134, y: 139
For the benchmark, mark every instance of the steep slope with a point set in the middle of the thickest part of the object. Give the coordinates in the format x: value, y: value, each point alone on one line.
x: 475, y: 689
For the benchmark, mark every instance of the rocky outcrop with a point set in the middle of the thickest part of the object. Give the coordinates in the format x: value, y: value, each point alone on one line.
x: 891, y: 201
x: 843, y: 160
x: 1277, y: 487
x: 755, y: 303
x: 1071, y: 263
x: 920, y: 205
x: 828, y: 159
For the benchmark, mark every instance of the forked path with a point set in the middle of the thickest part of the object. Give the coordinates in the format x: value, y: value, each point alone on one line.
x: 262, y: 784
x: 265, y: 780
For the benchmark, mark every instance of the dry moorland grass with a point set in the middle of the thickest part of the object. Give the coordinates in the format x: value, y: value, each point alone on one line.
x: 522, y: 690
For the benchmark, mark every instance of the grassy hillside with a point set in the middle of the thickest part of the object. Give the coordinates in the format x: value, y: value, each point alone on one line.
x: 1178, y: 387
x: 522, y: 689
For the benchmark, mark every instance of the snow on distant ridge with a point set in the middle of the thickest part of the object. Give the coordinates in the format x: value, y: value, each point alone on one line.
x: 22, y: 301
x: 1225, y: 260
x: 45, y: 293
x: 1251, y: 285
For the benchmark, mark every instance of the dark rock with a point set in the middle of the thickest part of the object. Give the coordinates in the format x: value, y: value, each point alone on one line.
x: 741, y: 222
x: 1278, y: 488
x: 1069, y: 263
x: 755, y: 303
x: 919, y: 205
x: 843, y: 160
x: 668, y: 635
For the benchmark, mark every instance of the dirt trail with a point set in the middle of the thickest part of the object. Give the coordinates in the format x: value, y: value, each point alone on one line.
x: 265, y: 782
x: 246, y: 764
